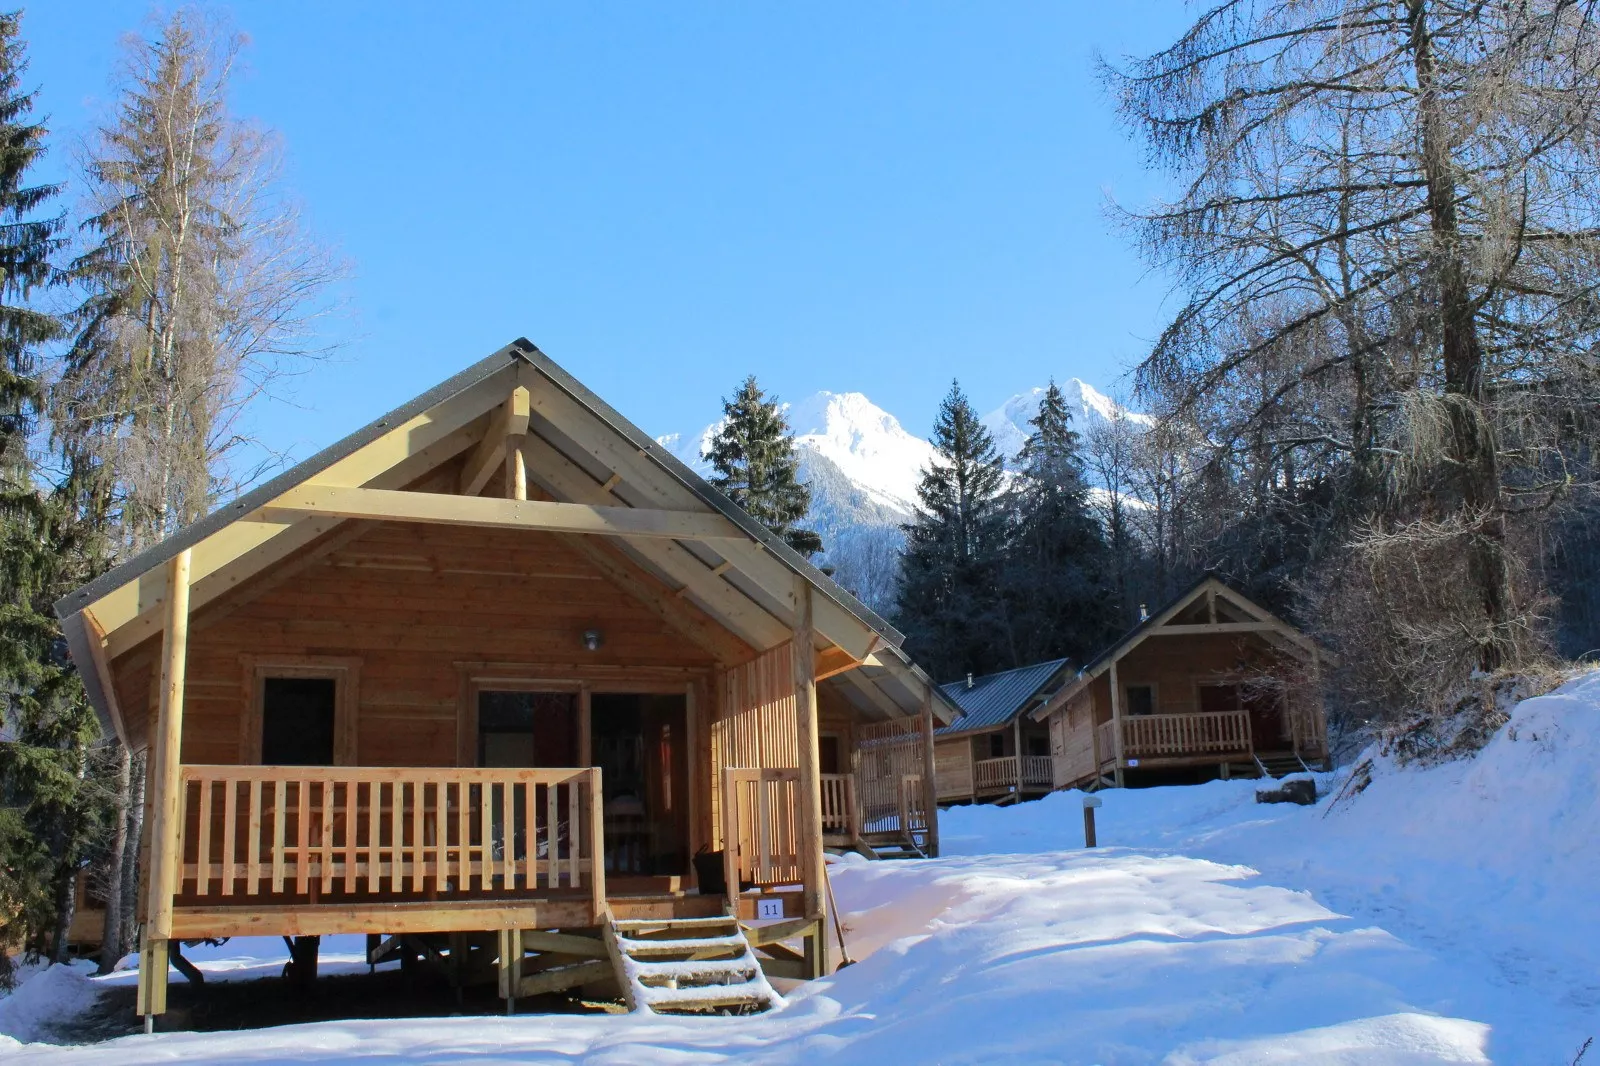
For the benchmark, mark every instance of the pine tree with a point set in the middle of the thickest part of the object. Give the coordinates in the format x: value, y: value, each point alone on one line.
x: 48, y: 817
x: 1056, y: 559
x: 756, y: 466
x: 949, y: 603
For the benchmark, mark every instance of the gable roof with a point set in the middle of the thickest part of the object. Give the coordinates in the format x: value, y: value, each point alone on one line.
x: 1255, y: 618
x: 995, y: 699
x: 587, y: 452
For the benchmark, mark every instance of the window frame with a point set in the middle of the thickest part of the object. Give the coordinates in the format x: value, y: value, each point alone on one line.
x: 1155, y: 698
x: 344, y: 672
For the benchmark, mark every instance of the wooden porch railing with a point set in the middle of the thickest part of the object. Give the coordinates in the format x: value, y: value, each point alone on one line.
x: 761, y: 828
x: 841, y: 819
x: 993, y: 774
x: 381, y: 832
x: 1037, y: 771
x: 1169, y: 735
x: 1010, y: 771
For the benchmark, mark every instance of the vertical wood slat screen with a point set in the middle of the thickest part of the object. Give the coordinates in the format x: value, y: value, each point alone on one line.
x: 765, y: 830
x: 888, y: 754
x: 370, y: 832
x: 755, y: 725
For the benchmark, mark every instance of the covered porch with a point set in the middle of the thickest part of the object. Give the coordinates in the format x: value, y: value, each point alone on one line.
x: 1212, y: 684
x: 492, y: 666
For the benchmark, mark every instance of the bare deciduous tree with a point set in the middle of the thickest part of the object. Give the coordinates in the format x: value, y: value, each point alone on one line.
x: 1387, y: 234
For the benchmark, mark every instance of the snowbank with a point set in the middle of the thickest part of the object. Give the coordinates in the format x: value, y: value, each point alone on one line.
x: 1441, y: 915
x: 44, y: 1000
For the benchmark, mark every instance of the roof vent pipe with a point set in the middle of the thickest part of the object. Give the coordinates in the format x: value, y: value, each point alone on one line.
x: 969, y: 680
x: 1144, y: 615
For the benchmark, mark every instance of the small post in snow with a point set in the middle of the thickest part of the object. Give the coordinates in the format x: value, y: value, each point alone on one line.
x: 1090, y: 802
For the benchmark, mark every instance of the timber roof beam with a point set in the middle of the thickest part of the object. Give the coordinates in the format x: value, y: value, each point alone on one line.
x: 391, y: 505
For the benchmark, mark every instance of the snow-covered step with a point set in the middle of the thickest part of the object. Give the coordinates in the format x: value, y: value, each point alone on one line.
x: 733, y: 943
x: 694, y: 964
x: 713, y: 997
x: 638, y: 928
x: 698, y: 971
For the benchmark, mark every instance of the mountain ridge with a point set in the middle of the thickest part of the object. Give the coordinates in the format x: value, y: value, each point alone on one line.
x: 864, y: 466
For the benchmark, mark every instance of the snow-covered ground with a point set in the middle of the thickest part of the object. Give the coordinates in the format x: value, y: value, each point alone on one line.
x: 1441, y: 915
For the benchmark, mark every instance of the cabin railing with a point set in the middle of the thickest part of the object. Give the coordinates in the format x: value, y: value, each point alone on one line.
x: 1147, y: 736
x: 1010, y: 771
x: 840, y: 816
x: 386, y: 833
x: 761, y: 829
x: 1037, y: 771
x: 992, y: 774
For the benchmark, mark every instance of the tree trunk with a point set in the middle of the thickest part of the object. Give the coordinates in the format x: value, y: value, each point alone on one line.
x: 1472, y: 442
x: 66, y: 883
x: 131, y: 853
x: 111, y: 941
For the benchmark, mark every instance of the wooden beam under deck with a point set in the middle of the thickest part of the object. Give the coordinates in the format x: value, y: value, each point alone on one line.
x: 327, y: 919
x: 463, y: 916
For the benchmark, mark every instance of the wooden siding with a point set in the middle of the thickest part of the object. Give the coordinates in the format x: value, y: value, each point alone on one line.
x: 952, y: 767
x: 411, y: 602
x: 1177, y: 667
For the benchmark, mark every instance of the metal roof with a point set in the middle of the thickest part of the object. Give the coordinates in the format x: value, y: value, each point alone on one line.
x: 995, y: 699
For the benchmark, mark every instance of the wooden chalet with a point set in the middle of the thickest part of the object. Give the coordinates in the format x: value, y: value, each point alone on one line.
x: 1211, y: 684
x: 995, y: 752
x: 497, y: 679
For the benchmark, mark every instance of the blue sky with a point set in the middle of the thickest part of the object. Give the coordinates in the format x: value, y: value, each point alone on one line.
x: 665, y: 197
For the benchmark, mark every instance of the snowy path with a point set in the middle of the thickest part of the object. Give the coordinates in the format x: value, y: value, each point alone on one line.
x: 1444, y: 915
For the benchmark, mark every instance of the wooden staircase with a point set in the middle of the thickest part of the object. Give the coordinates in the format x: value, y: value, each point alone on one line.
x: 1279, y: 764
x: 688, y: 965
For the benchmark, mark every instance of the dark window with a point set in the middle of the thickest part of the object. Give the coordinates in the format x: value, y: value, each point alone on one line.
x: 1038, y: 745
x: 828, y: 754
x: 297, y: 718
x: 1141, y: 699
x: 527, y: 729
x: 997, y: 745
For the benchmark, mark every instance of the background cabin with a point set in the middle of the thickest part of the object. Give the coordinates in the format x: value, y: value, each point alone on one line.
x: 995, y: 752
x: 1210, y: 685
x: 498, y: 678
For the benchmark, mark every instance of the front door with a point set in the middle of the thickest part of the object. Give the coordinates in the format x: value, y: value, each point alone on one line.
x: 640, y: 744
x: 1265, y: 706
x: 525, y: 730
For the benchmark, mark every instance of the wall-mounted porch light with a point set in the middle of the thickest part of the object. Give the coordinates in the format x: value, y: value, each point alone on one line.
x: 591, y: 639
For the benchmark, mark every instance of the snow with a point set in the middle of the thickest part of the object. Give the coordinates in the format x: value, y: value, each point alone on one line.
x: 879, y: 456
x: 46, y: 999
x: 1443, y: 914
x: 1009, y: 423
x: 866, y: 443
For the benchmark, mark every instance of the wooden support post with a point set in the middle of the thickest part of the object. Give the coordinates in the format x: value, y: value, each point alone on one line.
x: 930, y: 787
x: 510, y: 967
x: 1116, y: 725
x: 516, y: 469
x: 167, y: 806
x: 1016, y: 753
x: 805, y: 705
x: 597, y: 860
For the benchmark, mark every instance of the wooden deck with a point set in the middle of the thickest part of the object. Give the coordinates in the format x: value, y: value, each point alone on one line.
x: 315, y: 850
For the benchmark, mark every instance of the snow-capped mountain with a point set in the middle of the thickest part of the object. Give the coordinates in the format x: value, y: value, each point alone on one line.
x: 1089, y: 407
x: 862, y: 442
x: 863, y: 467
